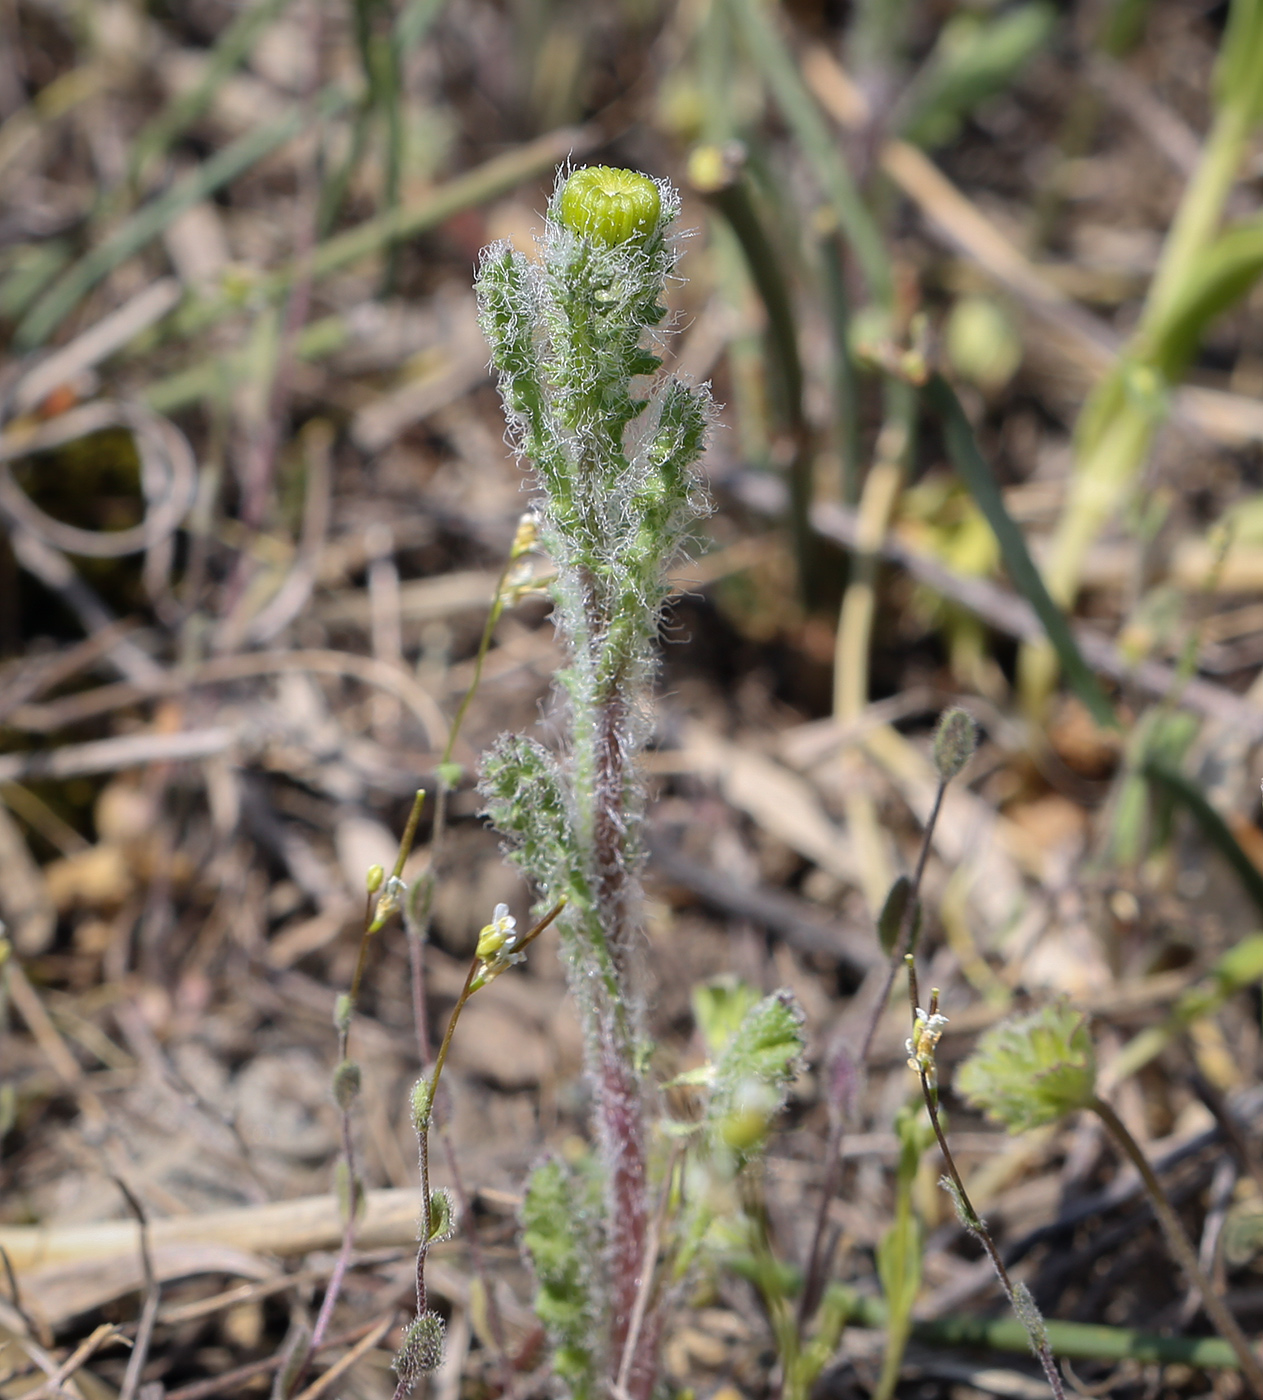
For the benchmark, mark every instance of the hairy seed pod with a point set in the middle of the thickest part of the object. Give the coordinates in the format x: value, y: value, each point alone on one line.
x: 422, y: 1097
x: 346, y: 1084
x: 955, y: 740
x: 421, y: 1350
x: 442, y: 1215
x: 342, y: 1011
x: 610, y: 206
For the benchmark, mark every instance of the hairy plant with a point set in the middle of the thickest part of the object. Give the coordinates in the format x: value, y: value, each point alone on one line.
x: 612, y: 448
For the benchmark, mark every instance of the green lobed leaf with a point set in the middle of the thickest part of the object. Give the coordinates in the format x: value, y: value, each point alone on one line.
x: 560, y: 1239
x: 1031, y: 1069
x: 754, y: 1072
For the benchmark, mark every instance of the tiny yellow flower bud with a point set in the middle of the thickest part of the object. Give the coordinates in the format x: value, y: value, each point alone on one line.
x: 373, y: 881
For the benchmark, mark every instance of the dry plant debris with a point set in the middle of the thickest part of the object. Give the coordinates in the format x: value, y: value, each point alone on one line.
x: 254, y: 506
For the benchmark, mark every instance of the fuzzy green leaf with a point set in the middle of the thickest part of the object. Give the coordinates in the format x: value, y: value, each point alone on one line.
x: 1032, y: 1069
x: 719, y: 1008
x: 560, y: 1238
x: 754, y: 1072
x: 522, y: 788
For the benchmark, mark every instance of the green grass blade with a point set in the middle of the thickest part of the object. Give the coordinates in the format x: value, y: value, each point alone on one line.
x: 147, y: 223
x: 1216, y: 279
x: 977, y: 475
x: 231, y: 47
x: 819, y: 144
x: 1086, y: 1340
x: 1214, y: 828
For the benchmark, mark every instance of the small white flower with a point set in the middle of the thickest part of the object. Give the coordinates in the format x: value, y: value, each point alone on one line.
x: 389, y: 900
x: 498, y: 937
x: 927, y: 1030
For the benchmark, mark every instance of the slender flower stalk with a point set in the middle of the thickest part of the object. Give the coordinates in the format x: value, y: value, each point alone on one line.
x: 955, y: 740
x: 927, y: 1027
x: 385, y: 894
x: 499, y: 947
x: 1035, y: 1069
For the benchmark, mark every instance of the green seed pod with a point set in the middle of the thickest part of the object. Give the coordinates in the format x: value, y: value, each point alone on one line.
x: 892, y: 915
x: 373, y: 881
x: 1032, y: 1069
x: 342, y: 1012
x: 955, y: 741
x: 422, y: 1098
x: 421, y: 1350
x: 610, y: 206
x: 442, y: 1215
x: 349, y: 1191
x: 346, y: 1084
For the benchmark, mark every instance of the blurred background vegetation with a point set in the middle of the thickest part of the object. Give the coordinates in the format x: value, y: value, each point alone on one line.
x: 255, y: 500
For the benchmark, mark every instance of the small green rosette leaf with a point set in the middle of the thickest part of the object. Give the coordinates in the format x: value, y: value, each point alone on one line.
x: 1033, y: 1069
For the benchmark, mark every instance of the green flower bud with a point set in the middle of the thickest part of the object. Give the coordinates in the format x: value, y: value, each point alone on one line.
x: 346, y: 1084
x: 610, y: 206
x: 1032, y: 1069
x: 373, y: 881
x: 342, y: 1012
x: 421, y: 1349
x: 982, y: 344
x: 955, y: 741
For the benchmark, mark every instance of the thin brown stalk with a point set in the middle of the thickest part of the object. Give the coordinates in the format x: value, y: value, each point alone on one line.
x: 55, y: 1384
x: 815, y: 1258
x: 970, y: 1218
x: 423, y: 1127
x: 1181, y: 1246
x: 230, y: 1382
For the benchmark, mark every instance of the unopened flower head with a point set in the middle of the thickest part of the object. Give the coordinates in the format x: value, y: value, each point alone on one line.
x: 609, y: 205
x: 955, y: 740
